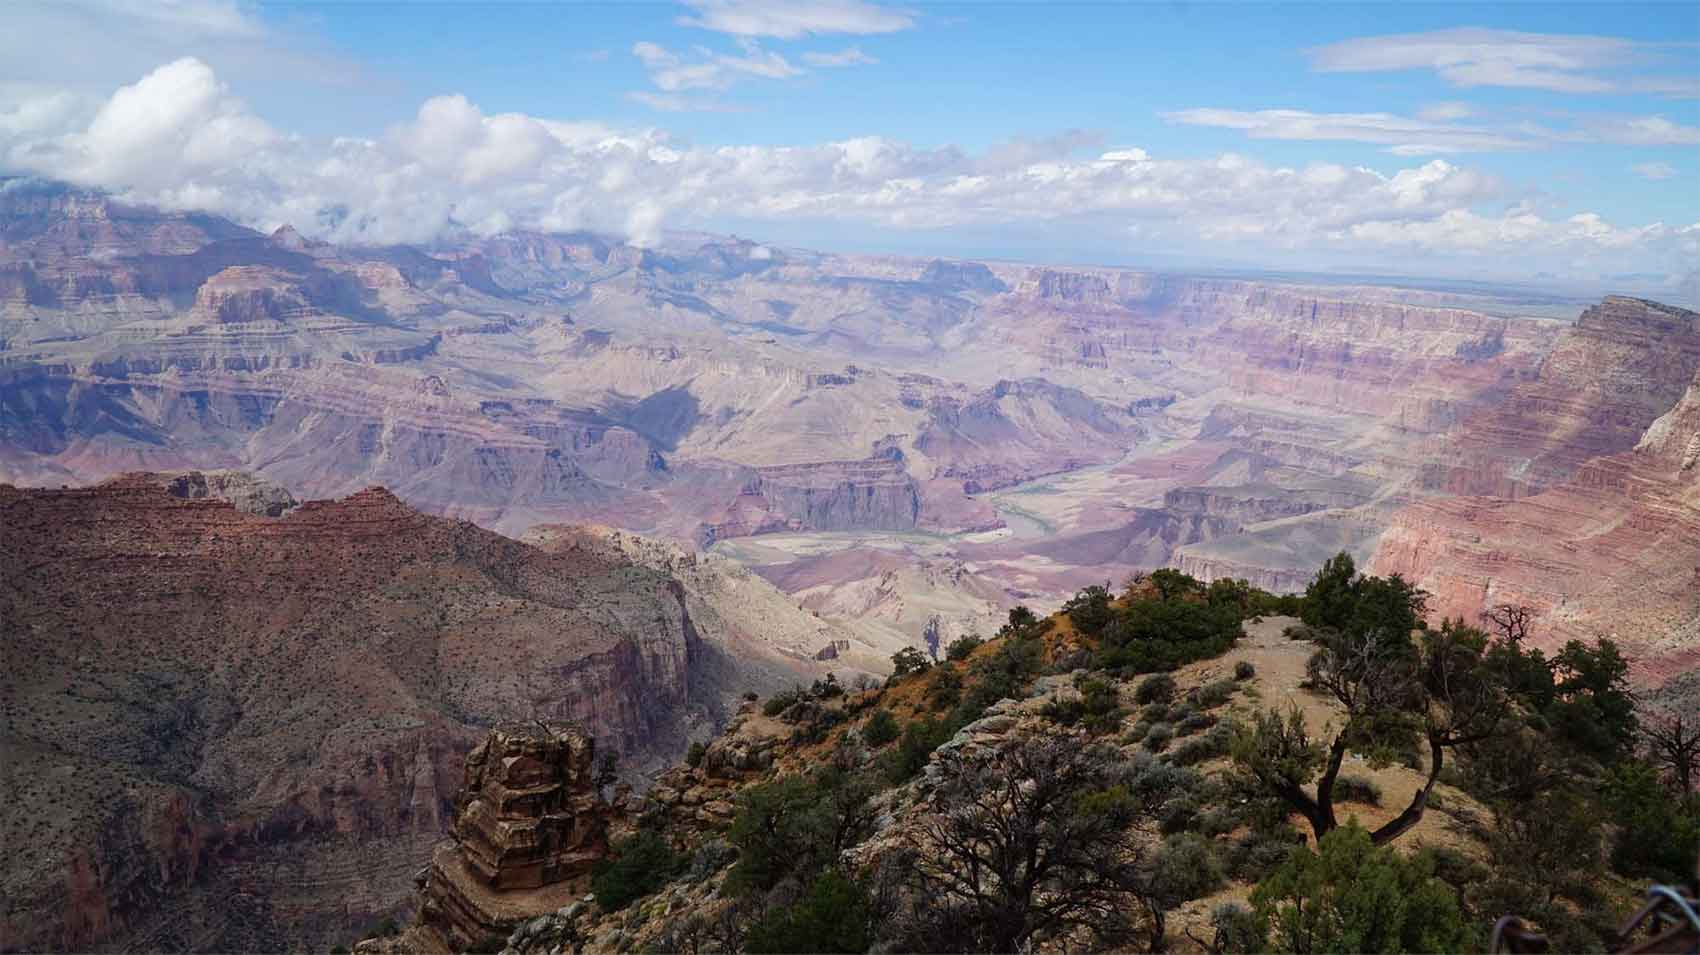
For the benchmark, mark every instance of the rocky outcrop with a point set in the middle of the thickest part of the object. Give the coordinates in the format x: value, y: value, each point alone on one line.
x: 529, y: 824
x: 209, y: 698
x: 962, y: 277
x: 875, y: 494
x: 245, y: 492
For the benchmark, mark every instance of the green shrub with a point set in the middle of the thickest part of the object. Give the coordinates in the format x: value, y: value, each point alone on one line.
x: 1658, y: 834
x: 1211, y: 695
x: 784, y: 700
x: 1235, y: 930
x: 1196, y: 723
x: 1352, y: 896
x: 1198, y: 749
x: 919, y: 740
x: 827, y: 689
x: 693, y: 756
x: 962, y: 647
x: 1244, y: 670
x: 1159, y: 688
x: 1136, y: 732
x: 1178, y: 815
x: 1262, y: 850
x: 881, y: 728
x: 1357, y: 789
x: 907, y: 661
x: 1155, y: 713
x: 1090, y: 610
x: 945, y: 689
x: 1187, y: 867
x: 1158, y: 737
x: 638, y: 865
x: 832, y: 916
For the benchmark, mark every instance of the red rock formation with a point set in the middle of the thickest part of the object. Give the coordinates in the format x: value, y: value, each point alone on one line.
x: 1624, y: 363
x: 529, y: 824
x: 207, y: 698
x: 1614, y: 550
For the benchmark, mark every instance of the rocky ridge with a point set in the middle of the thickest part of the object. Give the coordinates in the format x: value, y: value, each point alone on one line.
x: 208, y: 697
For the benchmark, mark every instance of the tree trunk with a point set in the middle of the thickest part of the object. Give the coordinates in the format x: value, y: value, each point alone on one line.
x: 1402, y: 823
x: 1325, y: 787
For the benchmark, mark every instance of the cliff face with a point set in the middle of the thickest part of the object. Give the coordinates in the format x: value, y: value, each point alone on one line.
x: 1623, y: 363
x: 1613, y: 550
x: 198, y: 697
x: 529, y: 823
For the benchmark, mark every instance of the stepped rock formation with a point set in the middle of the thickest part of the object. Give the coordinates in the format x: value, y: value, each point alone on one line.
x: 1613, y: 549
x: 225, y: 730
x: 787, y: 406
x: 528, y: 825
x: 1624, y: 363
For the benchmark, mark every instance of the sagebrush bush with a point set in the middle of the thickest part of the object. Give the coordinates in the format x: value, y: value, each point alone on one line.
x: 1158, y: 737
x: 1157, y: 688
x: 1357, y: 789
x: 1195, y: 723
x: 1244, y: 670
x: 1212, y: 695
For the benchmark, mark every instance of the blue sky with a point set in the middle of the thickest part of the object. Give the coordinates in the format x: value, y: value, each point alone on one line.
x: 1384, y: 134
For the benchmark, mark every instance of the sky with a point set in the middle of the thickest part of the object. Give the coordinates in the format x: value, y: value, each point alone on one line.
x: 1525, y: 142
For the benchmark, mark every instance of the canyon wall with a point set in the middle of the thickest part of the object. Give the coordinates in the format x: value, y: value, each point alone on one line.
x: 199, y: 696
x: 1612, y: 548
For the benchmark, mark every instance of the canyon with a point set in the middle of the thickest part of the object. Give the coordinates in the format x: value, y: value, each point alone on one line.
x: 561, y: 477
x: 906, y: 446
x: 236, y: 722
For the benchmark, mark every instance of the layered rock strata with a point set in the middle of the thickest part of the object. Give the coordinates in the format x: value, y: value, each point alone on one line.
x: 529, y: 824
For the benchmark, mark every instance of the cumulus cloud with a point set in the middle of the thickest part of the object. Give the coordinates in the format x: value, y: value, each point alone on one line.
x: 1473, y: 56
x: 1654, y: 171
x: 179, y: 139
x: 790, y: 19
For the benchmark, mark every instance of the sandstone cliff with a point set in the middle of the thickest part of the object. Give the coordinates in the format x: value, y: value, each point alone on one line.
x: 203, y: 705
x: 1614, y: 550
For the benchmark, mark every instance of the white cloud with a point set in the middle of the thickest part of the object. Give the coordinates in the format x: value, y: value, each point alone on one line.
x: 1473, y: 56
x: 1426, y: 135
x: 675, y: 103
x: 707, y: 70
x: 1404, y: 136
x: 851, y: 56
x: 790, y: 19
x: 1642, y: 131
x: 1445, y: 112
x: 177, y: 138
x: 1654, y: 171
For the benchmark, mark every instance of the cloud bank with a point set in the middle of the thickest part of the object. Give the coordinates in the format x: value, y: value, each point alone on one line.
x: 178, y: 138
